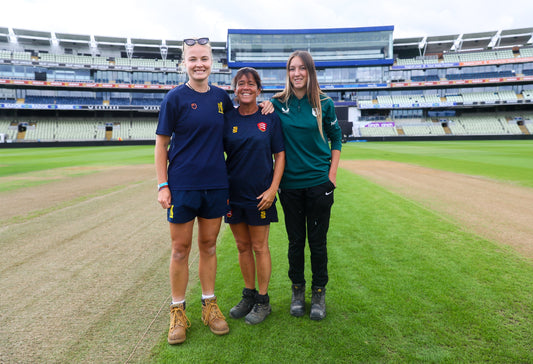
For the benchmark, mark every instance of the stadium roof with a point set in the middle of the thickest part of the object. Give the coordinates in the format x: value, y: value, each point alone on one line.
x: 4, y: 34
x: 515, y: 37
x: 465, y: 42
x: 119, y: 41
x: 440, y: 43
x: 174, y: 43
x: 32, y: 36
x: 72, y: 39
x: 407, y: 46
x: 155, y: 43
x: 479, y: 41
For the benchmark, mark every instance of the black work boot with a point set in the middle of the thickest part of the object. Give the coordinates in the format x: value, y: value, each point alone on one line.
x: 298, y: 300
x: 260, y: 311
x: 242, y: 308
x: 318, y: 303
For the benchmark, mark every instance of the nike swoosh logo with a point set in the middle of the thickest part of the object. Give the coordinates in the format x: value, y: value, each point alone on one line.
x: 329, y: 193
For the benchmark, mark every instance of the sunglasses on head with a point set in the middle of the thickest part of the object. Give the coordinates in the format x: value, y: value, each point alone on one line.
x: 190, y: 41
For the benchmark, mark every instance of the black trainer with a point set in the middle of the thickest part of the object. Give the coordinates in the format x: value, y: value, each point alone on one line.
x: 318, y: 303
x: 298, y: 300
x: 246, y: 304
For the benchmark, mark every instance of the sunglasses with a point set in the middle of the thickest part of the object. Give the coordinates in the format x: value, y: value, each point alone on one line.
x: 201, y: 41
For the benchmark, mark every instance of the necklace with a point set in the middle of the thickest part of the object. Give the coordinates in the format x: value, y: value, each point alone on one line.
x: 192, y: 88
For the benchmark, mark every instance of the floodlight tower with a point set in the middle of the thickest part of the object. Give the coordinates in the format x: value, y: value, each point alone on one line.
x: 163, y: 48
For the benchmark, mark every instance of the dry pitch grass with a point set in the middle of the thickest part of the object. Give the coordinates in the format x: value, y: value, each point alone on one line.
x: 84, y: 264
x: 495, y: 210
x: 84, y: 268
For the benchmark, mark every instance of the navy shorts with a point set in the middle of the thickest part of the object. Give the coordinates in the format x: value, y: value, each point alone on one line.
x: 208, y: 204
x: 251, y: 215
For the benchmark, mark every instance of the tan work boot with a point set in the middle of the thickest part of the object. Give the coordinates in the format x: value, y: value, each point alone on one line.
x: 179, y: 323
x: 213, y: 317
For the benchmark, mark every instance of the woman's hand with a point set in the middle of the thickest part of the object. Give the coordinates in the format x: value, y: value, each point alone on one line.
x: 164, y: 198
x: 333, y: 179
x: 266, y: 107
x: 267, y: 199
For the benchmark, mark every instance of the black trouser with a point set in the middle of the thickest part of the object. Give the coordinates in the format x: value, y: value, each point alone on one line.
x: 308, y: 210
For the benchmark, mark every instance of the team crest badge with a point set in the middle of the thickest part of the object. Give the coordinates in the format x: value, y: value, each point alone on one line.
x: 194, y: 106
x: 262, y: 126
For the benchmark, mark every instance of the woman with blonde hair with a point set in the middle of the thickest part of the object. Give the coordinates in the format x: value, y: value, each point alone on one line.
x: 308, y: 122
x: 192, y: 182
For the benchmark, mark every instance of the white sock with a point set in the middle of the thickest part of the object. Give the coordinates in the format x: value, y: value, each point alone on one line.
x: 173, y: 302
x: 207, y: 296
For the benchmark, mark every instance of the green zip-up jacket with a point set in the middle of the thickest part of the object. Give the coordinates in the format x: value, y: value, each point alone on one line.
x: 307, y: 154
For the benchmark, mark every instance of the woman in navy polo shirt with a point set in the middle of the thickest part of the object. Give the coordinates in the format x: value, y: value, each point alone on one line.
x: 250, y: 141
x: 192, y: 182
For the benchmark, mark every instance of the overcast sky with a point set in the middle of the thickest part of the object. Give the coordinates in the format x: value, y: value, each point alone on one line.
x: 177, y: 19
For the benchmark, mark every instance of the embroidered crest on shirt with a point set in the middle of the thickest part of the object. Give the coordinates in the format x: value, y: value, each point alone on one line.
x: 220, y: 108
x: 235, y: 129
x: 194, y: 106
x: 262, y: 126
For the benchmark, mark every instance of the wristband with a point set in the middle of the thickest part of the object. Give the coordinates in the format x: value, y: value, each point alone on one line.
x: 162, y: 185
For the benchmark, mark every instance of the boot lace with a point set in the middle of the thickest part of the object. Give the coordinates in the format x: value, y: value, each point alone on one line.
x: 178, y: 318
x: 212, y: 313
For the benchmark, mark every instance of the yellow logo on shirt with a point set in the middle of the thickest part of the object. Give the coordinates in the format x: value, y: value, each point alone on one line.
x: 220, y: 108
x: 235, y: 129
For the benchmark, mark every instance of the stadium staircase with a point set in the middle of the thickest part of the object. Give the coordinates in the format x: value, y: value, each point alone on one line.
x: 21, y: 135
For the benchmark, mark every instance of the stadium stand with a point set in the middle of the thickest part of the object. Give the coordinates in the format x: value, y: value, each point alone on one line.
x: 527, y: 95
x: 97, y: 88
x: 381, y: 131
x: 526, y: 52
x: 425, y: 129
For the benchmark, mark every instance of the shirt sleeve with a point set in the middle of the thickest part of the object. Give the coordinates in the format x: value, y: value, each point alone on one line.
x: 228, y: 104
x: 278, y: 143
x: 331, y: 124
x: 165, y: 125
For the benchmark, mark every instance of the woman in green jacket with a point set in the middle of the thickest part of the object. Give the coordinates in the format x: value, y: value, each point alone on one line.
x: 308, y: 121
